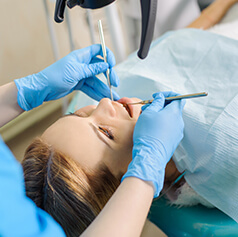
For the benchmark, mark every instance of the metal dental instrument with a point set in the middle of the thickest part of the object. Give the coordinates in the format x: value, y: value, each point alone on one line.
x: 179, y: 97
x: 104, y: 51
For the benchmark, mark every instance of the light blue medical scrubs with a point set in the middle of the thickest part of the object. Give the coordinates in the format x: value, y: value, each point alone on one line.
x: 19, y: 216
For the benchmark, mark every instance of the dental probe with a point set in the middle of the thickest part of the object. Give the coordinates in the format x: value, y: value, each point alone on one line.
x: 179, y: 97
x: 104, y: 51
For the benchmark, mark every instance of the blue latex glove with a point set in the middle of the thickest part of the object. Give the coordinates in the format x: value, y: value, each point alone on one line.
x: 157, y: 133
x: 18, y: 214
x: 76, y: 71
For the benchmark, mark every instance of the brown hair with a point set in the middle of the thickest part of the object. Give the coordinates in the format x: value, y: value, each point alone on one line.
x: 57, y: 184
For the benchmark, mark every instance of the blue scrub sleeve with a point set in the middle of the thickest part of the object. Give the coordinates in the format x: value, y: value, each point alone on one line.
x: 18, y: 214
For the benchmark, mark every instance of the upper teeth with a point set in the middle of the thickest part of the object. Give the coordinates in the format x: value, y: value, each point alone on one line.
x: 123, y: 105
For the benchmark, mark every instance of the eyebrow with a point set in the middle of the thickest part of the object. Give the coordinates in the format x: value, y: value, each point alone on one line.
x: 98, y: 134
x: 71, y: 114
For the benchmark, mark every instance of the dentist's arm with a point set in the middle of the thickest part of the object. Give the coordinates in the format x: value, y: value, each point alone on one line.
x: 212, y: 14
x: 8, y: 103
x: 126, y: 211
x: 76, y: 71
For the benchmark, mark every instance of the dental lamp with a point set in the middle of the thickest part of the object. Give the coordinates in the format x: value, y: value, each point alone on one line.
x: 148, y: 11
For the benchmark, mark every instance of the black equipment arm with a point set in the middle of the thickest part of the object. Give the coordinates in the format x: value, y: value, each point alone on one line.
x: 148, y: 12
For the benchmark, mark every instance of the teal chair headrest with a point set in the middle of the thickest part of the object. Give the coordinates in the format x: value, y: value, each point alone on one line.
x: 195, y: 221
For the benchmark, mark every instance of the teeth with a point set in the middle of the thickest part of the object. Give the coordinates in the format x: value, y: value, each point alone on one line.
x: 125, y: 106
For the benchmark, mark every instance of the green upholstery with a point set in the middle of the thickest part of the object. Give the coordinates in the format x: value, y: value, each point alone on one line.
x: 196, y: 221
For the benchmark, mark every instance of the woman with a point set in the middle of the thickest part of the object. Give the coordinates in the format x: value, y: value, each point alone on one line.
x: 77, y: 164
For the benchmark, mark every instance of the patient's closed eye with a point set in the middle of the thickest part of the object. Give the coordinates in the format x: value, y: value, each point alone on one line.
x: 106, y: 132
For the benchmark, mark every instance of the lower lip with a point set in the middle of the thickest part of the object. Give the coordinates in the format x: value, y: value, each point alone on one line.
x: 126, y: 100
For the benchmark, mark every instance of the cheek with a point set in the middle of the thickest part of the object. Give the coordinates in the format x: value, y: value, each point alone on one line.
x: 124, y: 145
x: 126, y: 138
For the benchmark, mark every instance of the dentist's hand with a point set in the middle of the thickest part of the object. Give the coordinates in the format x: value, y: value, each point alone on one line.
x: 157, y: 133
x: 76, y: 71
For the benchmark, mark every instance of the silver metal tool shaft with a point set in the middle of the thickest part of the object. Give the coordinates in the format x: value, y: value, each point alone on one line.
x: 179, y: 97
x: 104, y: 51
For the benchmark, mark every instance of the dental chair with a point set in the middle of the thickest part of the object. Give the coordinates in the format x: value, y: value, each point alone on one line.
x: 195, y: 221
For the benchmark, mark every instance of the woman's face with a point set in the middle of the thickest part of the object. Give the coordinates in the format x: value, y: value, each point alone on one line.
x: 96, y: 134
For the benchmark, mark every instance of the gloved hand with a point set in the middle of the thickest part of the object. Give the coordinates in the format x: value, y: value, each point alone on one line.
x: 157, y: 133
x: 76, y: 71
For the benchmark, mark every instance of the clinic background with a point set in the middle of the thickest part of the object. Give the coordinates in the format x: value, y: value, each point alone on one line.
x: 31, y: 41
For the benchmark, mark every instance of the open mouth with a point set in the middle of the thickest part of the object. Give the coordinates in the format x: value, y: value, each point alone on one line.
x: 128, y: 108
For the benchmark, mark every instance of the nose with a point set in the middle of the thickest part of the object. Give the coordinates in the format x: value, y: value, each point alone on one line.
x: 106, y: 106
